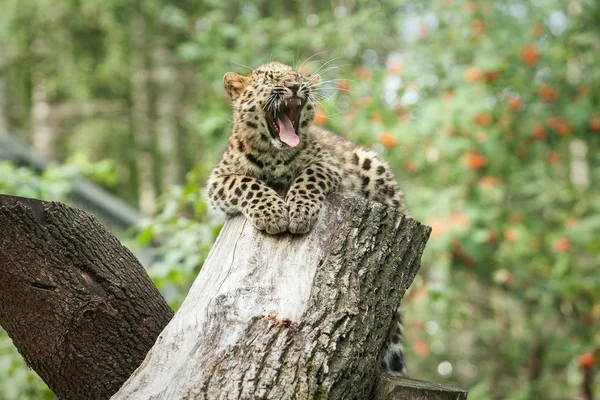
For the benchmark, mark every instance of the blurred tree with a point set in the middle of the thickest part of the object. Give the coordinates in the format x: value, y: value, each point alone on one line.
x: 488, y: 111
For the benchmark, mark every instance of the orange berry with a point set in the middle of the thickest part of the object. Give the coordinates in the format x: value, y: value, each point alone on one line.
x: 387, y: 140
x: 538, y: 132
x: 560, y: 126
x: 587, y: 360
x: 546, y: 93
x: 538, y: 30
x: 553, y: 158
x: 472, y: 75
x: 320, y: 119
x: 376, y: 118
x: 364, y: 101
x: 418, y: 292
x: 421, y: 348
x: 482, y: 119
x: 478, y: 27
x: 561, y: 245
x: 514, y: 103
x: 439, y: 225
x: 411, y: 167
x: 489, y: 181
x: 450, y: 132
x: 447, y: 95
x: 460, y: 220
x: 510, y: 235
x: 342, y: 84
x: 474, y: 161
x: 471, y: 7
x: 529, y: 55
x: 595, y: 123
x: 570, y: 222
x: 363, y: 73
x: 394, y: 67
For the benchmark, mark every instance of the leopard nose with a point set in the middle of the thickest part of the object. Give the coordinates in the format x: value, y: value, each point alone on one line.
x: 293, y: 87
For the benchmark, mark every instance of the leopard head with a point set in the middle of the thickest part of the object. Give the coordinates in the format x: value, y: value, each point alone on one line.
x: 274, y: 104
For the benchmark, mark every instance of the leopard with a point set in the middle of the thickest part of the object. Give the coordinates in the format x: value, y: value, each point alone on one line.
x: 279, y: 166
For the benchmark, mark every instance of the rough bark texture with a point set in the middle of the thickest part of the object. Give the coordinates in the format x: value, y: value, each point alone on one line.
x: 76, y: 303
x: 284, y: 317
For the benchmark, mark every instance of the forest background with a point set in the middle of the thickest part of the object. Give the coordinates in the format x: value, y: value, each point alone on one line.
x: 488, y: 112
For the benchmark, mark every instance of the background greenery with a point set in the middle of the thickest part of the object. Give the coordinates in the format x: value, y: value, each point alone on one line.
x: 489, y: 113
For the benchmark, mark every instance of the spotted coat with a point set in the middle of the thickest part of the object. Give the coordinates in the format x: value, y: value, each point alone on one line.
x: 282, y: 188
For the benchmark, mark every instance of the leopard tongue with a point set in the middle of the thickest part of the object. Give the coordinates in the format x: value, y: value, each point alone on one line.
x: 287, y: 134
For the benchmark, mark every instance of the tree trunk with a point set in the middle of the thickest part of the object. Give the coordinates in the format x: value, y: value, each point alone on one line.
x: 43, y: 133
x: 168, y: 92
x: 77, y: 304
x: 283, y: 317
x: 3, y: 99
x: 275, y: 317
x: 141, y: 110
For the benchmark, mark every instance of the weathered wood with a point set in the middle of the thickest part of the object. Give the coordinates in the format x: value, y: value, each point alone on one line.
x: 77, y: 304
x: 284, y: 317
x: 393, y: 388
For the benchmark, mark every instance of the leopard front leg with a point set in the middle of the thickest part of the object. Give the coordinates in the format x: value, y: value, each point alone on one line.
x: 306, y: 196
x: 235, y: 194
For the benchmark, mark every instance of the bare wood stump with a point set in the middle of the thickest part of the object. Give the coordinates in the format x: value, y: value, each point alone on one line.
x: 284, y: 317
x: 268, y: 317
x: 77, y: 304
x: 393, y: 388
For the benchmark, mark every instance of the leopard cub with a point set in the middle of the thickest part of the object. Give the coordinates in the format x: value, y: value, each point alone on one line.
x: 278, y: 167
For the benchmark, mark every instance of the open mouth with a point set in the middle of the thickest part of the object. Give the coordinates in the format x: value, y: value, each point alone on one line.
x: 283, y: 121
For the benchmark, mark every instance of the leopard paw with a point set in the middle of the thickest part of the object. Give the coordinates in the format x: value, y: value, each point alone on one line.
x: 302, y: 221
x: 272, y: 221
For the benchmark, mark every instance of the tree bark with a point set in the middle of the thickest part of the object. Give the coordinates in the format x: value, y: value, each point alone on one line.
x: 77, y: 304
x: 275, y: 317
x: 283, y: 317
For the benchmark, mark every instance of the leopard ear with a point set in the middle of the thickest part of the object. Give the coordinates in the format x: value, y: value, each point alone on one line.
x: 235, y: 84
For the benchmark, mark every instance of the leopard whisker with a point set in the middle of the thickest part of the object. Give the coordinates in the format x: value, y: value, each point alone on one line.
x: 308, y: 59
x: 318, y: 71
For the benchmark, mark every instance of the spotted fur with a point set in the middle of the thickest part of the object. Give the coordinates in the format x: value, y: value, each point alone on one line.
x: 281, y: 188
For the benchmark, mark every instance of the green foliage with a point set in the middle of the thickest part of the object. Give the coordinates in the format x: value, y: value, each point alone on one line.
x: 181, y: 238
x: 489, y: 113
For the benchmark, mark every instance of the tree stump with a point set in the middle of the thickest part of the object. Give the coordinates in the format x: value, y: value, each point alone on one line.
x: 269, y: 317
x: 285, y: 317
